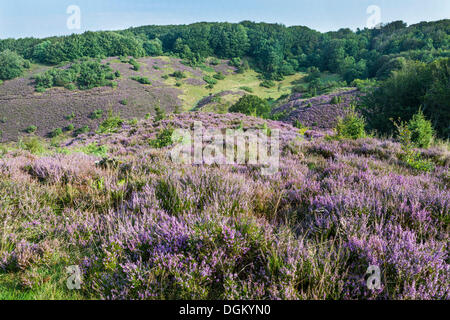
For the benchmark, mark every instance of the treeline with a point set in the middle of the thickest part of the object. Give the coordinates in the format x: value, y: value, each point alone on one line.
x: 417, y: 87
x: 273, y: 49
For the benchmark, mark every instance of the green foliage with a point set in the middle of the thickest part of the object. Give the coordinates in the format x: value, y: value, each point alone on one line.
x: 403, y: 94
x: 163, y: 139
x: 87, y: 75
x: 31, y: 129
x: 111, y: 124
x: 12, y: 65
x: 178, y: 75
x: 142, y: 80
x: 97, y: 114
x: 160, y: 114
x: 70, y: 127
x: 124, y: 102
x: 55, y: 133
x: 95, y: 150
x: 267, y: 84
x: 153, y: 47
x: 210, y: 80
x: 248, y: 89
x: 421, y: 130
x: 219, y: 76
x: 251, y: 105
x: 409, y: 156
x: 81, y: 130
x: 352, y: 126
x: 32, y: 144
x: 136, y: 66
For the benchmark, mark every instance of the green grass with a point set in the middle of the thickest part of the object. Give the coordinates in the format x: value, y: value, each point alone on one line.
x: 233, y: 82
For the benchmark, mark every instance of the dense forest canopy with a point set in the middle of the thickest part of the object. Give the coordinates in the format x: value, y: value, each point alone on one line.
x: 274, y: 49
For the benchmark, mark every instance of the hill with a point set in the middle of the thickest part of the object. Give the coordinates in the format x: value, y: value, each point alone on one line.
x: 141, y: 226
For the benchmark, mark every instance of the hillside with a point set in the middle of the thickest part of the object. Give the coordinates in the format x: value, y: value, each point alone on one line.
x: 141, y: 226
x: 21, y: 106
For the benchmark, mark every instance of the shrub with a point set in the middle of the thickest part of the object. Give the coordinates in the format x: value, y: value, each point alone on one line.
x: 421, y: 130
x: 12, y: 65
x: 267, y: 84
x: 178, y: 74
x: 136, y: 66
x: 97, y: 114
x: 123, y: 102
x: 81, y: 130
x: 32, y: 144
x: 409, y: 156
x: 142, y: 80
x: 352, y: 126
x: 70, y: 127
x: 31, y: 129
x: 251, y: 105
x: 219, y: 76
x: 248, y: 89
x: 55, y: 133
x: 160, y: 114
x: 210, y: 80
x: 163, y: 139
x: 111, y: 124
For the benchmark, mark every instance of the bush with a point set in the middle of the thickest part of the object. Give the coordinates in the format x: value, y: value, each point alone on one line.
x: 421, y: 130
x: 55, y: 133
x: 251, y: 105
x: 12, y: 65
x: 97, y: 114
x: 210, y: 80
x: 81, y: 130
x: 351, y: 126
x: 178, y: 75
x: 160, y: 114
x: 135, y: 64
x: 31, y: 129
x: 142, y: 80
x: 70, y: 127
x: 219, y: 76
x: 163, y: 139
x: 32, y: 144
x: 111, y: 124
x: 248, y: 89
x: 267, y: 84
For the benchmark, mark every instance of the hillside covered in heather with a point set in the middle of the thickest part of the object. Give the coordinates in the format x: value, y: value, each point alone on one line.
x: 143, y: 227
x: 88, y: 128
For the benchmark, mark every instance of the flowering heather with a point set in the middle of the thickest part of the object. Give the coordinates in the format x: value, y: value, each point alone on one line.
x: 318, y: 112
x: 142, y: 227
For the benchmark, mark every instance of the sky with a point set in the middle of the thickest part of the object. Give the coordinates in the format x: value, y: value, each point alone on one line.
x: 43, y: 18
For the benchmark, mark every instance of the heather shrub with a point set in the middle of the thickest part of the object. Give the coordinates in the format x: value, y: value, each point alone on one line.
x: 352, y: 126
x: 210, y: 80
x: 421, y: 130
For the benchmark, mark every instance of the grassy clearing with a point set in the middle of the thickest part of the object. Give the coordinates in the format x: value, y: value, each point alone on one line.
x: 234, y: 82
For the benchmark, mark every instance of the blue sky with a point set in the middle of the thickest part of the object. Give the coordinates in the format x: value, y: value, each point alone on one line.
x: 21, y: 18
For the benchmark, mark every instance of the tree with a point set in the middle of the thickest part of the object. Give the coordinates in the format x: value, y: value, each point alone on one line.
x: 11, y: 65
x: 251, y: 105
x: 153, y: 47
